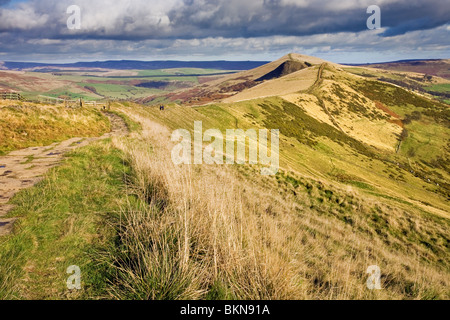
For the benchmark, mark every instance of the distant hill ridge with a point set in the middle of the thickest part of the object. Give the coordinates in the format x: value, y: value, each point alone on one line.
x: 396, y: 61
x: 434, y: 67
x: 139, y: 65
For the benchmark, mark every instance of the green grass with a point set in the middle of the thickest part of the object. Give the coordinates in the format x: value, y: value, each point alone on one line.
x: 406, y: 81
x: 144, y: 73
x: 220, y: 115
x: 120, y: 91
x: 63, y: 222
x: 68, y: 91
x: 426, y: 138
x: 25, y: 125
x: 444, y: 87
x: 180, y: 71
x: 74, y: 85
x: 68, y: 214
x: 292, y: 121
x: 192, y: 79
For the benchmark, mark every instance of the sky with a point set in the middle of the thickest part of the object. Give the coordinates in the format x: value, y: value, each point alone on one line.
x: 335, y: 30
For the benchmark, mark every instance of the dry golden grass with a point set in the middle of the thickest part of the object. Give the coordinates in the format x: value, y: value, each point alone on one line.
x: 25, y: 124
x: 215, y: 232
x: 294, y: 82
x: 309, y: 103
x: 379, y: 133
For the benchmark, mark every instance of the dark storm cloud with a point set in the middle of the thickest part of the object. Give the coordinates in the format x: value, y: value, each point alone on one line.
x: 214, y: 26
x: 405, y: 16
x: 187, y: 19
x: 278, y: 17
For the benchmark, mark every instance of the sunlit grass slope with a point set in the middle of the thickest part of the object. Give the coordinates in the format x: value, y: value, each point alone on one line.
x: 27, y: 125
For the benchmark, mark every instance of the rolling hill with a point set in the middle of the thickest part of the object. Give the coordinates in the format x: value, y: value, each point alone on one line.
x: 228, y: 86
x: 412, y: 75
x: 363, y: 180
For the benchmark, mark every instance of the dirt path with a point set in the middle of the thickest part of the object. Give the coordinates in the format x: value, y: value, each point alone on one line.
x: 318, y: 81
x: 24, y: 168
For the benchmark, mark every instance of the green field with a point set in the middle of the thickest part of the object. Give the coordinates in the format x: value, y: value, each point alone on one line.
x: 445, y: 87
x: 123, y: 86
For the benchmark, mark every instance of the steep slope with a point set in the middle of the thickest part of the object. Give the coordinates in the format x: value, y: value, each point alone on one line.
x: 257, y: 73
x: 294, y: 82
x: 284, y: 69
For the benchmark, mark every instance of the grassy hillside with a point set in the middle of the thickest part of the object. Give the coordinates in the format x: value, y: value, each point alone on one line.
x: 363, y: 181
x: 432, y: 86
x: 437, y: 67
x: 26, y: 124
x: 346, y: 124
x: 309, y: 232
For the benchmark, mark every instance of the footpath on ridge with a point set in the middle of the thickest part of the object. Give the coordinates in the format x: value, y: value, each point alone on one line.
x: 24, y: 168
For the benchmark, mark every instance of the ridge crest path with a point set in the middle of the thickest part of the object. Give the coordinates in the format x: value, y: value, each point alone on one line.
x: 24, y: 168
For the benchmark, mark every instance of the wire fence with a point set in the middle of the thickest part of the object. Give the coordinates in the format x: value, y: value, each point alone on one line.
x: 68, y: 103
x: 11, y: 96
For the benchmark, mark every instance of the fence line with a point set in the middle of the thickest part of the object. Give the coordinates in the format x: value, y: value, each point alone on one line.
x: 70, y: 103
x: 46, y: 99
x: 10, y: 96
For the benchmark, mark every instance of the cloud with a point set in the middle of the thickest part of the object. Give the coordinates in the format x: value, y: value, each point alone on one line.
x: 212, y: 26
x: 340, y: 47
x: 161, y: 19
x: 22, y: 18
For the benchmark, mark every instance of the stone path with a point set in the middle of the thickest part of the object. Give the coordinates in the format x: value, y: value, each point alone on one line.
x: 24, y: 168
